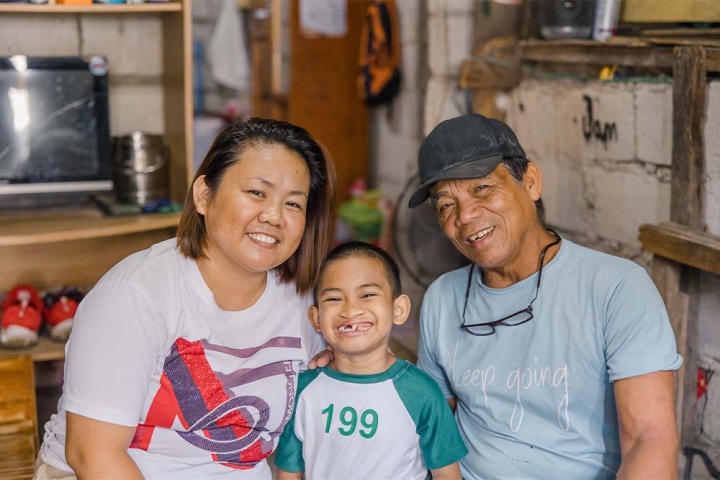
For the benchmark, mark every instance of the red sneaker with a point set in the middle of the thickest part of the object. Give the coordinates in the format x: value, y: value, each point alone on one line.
x: 21, y: 317
x: 60, y: 308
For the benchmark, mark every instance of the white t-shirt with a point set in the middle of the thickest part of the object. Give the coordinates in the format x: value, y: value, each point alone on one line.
x: 208, y: 390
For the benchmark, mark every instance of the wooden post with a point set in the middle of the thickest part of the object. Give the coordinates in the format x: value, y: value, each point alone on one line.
x: 686, y: 207
x: 688, y: 153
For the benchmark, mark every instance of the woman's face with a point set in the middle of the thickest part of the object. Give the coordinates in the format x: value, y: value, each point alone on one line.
x: 256, y: 219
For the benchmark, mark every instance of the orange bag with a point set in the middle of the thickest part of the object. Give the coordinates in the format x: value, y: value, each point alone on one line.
x: 379, y: 79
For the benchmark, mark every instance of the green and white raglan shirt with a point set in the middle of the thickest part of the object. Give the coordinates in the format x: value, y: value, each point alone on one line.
x: 390, y: 425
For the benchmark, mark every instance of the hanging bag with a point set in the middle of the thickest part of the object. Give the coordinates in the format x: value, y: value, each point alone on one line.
x: 379, y: 79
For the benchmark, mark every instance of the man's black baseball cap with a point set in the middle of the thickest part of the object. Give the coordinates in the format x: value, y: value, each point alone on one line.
x: 469, y: 146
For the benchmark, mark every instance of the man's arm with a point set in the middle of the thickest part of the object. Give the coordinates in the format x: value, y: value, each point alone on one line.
x: 96, y: 449
x: 452, y: 402
x: 648, y: 432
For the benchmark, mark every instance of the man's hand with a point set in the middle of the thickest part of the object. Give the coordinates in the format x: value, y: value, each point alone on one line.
x: 322, y: 359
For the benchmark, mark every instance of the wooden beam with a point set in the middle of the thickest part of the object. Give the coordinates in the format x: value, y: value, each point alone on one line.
x: 688, y: 155
x: 683, y: 245
x: 479, y: 74
x: 686, y: 208
x: 596, y: 53
x: 712, y: 59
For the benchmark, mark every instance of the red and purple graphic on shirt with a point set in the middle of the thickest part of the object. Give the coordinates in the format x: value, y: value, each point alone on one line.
x: 232, y: 428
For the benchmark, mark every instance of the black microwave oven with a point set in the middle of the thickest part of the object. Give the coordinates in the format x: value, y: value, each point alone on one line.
x: 54, y: 129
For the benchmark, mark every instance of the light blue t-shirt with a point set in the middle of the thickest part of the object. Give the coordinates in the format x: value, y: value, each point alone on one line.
x: 536, y: 400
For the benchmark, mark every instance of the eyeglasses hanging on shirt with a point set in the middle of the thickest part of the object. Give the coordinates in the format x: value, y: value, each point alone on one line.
x: 484, y: 329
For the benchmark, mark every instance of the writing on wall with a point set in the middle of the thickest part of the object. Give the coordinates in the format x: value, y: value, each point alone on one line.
x: 595, y: 129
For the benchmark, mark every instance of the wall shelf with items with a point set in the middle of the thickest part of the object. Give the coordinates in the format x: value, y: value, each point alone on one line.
x: 151, y: 46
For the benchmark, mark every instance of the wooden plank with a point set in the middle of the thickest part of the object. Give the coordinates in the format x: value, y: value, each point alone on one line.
x: 18, y: 415
x: 479, y: 74
x: 686, y: 208
x: 676, y: 31
x: 45, y: 350
x: 17, y: 461
x: 688, y: 41
x: 592, y: 53
x: 682, y: 245
x: 80, y: 262
x: 669, y: 11
x: 178, y: 98
x: 494, y: 66
x: 712, y: 59
x: 53, y: 226
x: 688, y: 155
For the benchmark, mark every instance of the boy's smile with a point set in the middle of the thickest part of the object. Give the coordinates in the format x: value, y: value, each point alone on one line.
x: 356, y: 312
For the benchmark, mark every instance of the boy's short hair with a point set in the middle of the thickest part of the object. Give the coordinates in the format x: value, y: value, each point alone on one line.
x: 367, y: 250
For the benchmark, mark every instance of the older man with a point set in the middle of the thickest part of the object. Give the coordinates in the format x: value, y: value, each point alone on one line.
x: 558, y: 359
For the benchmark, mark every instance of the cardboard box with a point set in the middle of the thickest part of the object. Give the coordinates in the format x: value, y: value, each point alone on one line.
x: 670, y: 11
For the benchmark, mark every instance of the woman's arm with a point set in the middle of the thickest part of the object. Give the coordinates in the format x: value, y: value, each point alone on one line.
x: 96, y: 449
x: 451, y: 472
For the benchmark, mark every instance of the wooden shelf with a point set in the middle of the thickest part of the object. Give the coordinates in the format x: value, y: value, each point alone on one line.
x: 623, y: 51
x: 682, y: 245
x: 52, y: 227
x: 44, y: 351
x: 95, y: 8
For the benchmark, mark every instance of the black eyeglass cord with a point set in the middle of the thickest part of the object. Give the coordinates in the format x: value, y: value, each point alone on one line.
x: 529, y: 308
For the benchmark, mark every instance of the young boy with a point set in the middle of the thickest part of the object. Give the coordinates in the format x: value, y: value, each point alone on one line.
x: 367, y: 414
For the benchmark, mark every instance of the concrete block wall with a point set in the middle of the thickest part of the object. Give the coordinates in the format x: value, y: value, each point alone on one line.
x: 132, y: 45
x: 605, y: 150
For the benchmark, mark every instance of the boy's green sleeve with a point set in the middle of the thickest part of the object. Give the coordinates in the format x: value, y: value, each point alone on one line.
x: 440, y: 440
x: 289, y: 452
x: 289, y: 455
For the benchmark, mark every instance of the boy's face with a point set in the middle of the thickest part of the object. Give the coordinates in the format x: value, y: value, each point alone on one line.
x: 355, y: 310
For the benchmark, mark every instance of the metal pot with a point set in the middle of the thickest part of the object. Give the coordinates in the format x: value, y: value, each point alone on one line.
x: 140, y: 168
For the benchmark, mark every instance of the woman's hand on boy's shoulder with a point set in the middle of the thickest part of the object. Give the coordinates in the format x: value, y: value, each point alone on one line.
x: 322, y: 359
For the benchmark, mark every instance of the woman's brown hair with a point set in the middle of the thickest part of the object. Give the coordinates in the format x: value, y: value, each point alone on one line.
x: 303, y: 266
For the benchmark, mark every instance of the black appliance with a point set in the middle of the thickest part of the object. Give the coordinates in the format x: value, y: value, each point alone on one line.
x: 566, y: 18
x: 54, y: 129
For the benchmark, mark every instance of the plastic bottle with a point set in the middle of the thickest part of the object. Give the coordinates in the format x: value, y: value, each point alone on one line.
x: 607, y: 13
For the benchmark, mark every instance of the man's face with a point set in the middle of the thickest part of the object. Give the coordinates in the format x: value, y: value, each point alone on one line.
x: 488, y: 218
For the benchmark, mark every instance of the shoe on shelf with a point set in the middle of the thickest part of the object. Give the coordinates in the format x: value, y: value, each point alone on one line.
x: 60, y: 308
x: 21, y: 317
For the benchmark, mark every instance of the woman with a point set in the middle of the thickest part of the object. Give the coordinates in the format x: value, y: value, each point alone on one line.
x: 184, y: 357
